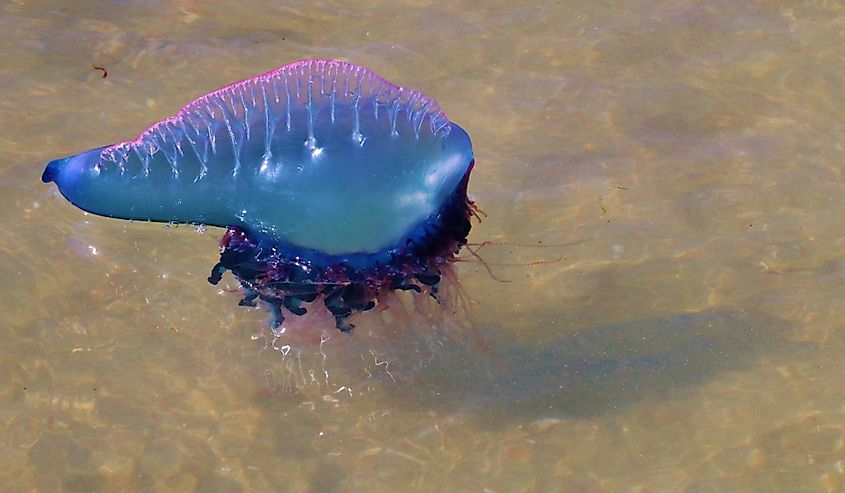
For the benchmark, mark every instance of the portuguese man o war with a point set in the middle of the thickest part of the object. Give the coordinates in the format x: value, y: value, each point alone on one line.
x: 336, y: 186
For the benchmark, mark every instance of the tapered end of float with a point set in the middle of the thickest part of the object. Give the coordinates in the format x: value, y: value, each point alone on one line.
x: 71, y: 175
x: 52, y: 171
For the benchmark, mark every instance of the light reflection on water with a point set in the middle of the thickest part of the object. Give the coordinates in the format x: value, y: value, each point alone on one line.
x: 680, y: 160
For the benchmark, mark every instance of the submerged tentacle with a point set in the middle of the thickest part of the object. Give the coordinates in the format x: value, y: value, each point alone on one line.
x: 350, y: 284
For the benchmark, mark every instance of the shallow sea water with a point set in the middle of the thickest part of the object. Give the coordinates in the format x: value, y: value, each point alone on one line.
x: 664, y: 181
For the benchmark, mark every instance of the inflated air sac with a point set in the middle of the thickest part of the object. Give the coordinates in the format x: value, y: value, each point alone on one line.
x: 333, y: 184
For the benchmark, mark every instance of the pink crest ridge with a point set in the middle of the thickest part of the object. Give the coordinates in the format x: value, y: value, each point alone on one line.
x: 412, y: 101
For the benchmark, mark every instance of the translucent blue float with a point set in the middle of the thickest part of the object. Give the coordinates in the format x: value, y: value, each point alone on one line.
x: 334, y: 184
